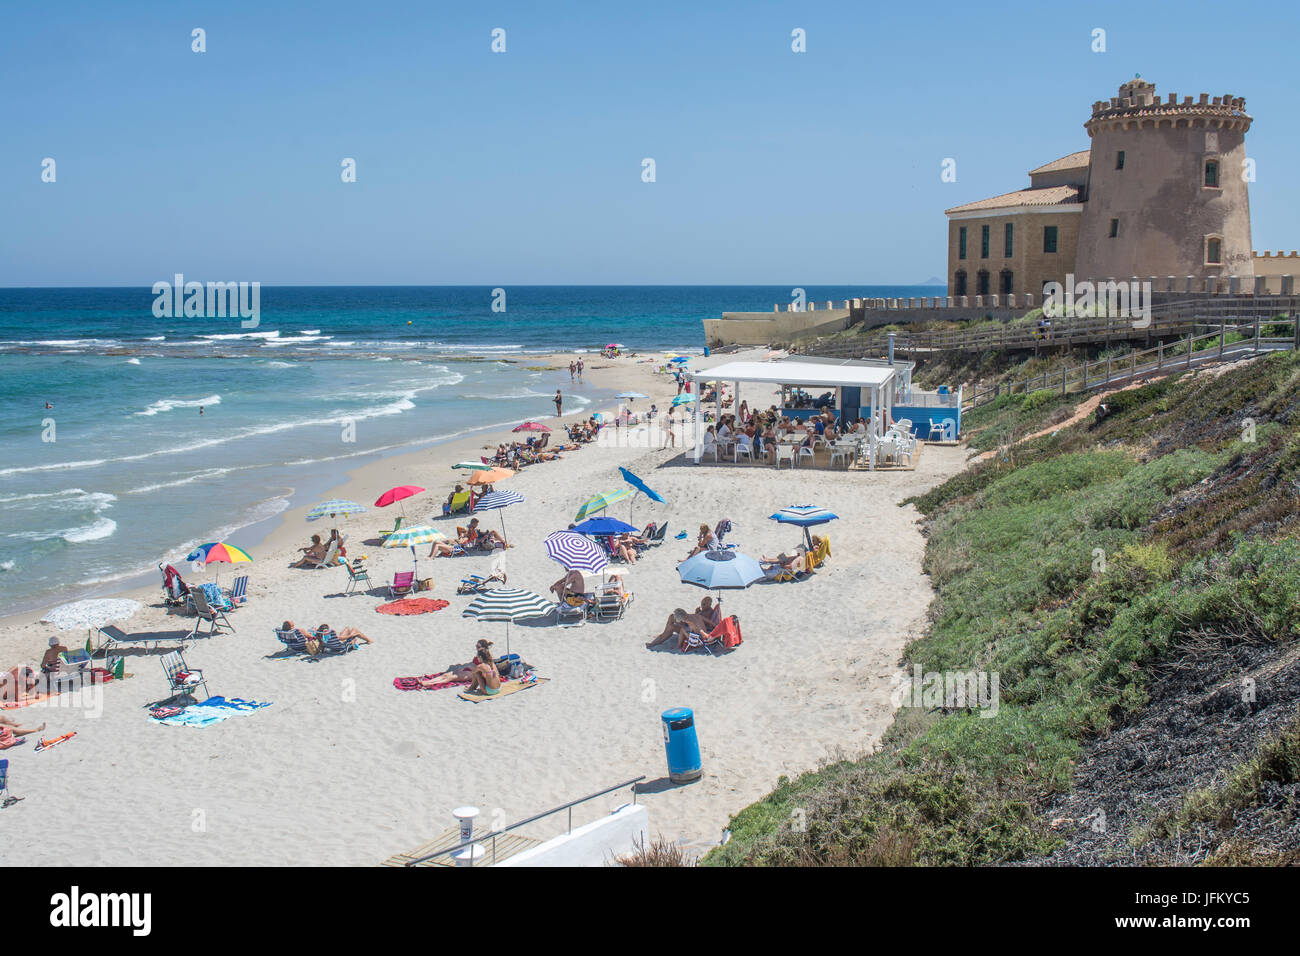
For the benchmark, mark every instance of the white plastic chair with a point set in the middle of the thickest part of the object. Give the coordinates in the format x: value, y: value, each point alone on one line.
x: 808, y: 453
x: 784, y: 453
x: 743, y: 448
x: 711, y: 446
x: 844, y: 451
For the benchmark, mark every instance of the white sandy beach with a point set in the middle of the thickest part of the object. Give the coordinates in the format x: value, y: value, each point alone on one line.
x: 344, y: 769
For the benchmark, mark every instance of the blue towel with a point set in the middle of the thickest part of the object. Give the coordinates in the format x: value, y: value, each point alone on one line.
x: 680, y: 535
x: 213, y: 711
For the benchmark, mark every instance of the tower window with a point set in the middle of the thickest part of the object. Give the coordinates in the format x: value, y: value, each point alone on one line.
x: 1213, y: 251
x: 959, y: 284
x: 961, y: 246
x: 984, y: 242
x: 1212, y: 173
x: 1049, y: 238
x: 1119, y: 159
x: 1006, y: 282
x: 982, y: 282
x: 1114, y: 228
x: 1007, y: 241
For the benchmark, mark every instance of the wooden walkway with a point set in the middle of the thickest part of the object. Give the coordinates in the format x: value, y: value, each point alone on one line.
x: 506, y: 846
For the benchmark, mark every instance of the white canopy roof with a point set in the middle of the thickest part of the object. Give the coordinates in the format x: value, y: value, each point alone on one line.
x: 797, y: 373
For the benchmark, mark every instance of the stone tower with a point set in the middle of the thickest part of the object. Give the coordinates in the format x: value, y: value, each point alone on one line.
x: 1166, y: 195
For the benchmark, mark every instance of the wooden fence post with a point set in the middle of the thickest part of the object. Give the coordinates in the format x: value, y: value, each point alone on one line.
x: 1189, y: 349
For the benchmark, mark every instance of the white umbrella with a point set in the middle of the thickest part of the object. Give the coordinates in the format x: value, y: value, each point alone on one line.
x: 90, y: 614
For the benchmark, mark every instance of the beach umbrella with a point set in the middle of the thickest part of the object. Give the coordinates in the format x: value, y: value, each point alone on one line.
x: 335, y: 506
x: 600, y: 502
x: 630, y: 396
x: 602, y: 525
x: 641, y: 487
x: 574, y: 552
x: 218, y: 552
x: 491, y: 476
x: 410, y: 537
x: 498, y: 500
x: 509, y: 605
x: 679, y: 359
x: 400, y: 493
x: 530, y: 427
x: 683, y: 399
x: 720, y: 570
x: 804, y: 516
x: 90, y: 614
x: 472, y: 465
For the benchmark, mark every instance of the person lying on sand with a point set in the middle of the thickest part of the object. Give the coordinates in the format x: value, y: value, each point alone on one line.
x: 681, y: 622
x: 18, y: 730
x: 50, y: 662
x: 312, y: 554
x: 485, y: 679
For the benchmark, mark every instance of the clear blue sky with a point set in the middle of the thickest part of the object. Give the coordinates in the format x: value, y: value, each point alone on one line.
x: 525, y: 167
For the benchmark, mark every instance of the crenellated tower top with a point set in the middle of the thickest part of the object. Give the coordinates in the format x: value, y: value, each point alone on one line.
x: 1137, y: 105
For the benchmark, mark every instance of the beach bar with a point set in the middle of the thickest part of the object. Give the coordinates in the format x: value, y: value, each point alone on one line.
x: 857, y: 390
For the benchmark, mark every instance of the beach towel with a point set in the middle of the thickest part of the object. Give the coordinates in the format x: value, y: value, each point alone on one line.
x: 213, y: 711
x: 507, y: 687
x: 413, y: 683
x: 413, y: 606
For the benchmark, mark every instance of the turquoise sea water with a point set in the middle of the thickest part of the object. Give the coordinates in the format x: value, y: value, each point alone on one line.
x: 123, y: 471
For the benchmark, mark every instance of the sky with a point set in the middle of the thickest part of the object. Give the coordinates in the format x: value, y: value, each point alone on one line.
x: 526, y: 167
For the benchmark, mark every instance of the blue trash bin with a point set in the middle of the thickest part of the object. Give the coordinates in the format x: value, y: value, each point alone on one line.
x: 681, y: 746
x: 706, y: 351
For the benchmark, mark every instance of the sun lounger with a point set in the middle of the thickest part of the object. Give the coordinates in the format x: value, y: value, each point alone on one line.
x: 357, y: 577
x: 111, y: 635
x: 458, y: 504
x: 330, y: 644
x: 181, y: 678
x: 476, y: 583
x: 403, y: 583
x: 329, y: 560
x: 610, y: 603
x: 215, y: 617
x: 572, y: 610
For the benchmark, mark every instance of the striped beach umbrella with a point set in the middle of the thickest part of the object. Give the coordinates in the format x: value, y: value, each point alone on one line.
x: 575, y: 552
x: 472, y: 465
x: 508, y: 604
x: 217, y: 552
x: 601, y: 502
x: 335, y: 506
x: 497, y: 500
x: 804, y: 516
x: 410, y: 537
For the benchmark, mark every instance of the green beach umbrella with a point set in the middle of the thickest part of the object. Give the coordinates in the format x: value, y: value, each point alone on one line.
x: 601, y: 502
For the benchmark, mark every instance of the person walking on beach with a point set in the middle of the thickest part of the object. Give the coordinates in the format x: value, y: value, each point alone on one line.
x: 559, y: 403
x: 573, y: 368
x: 580, y: 371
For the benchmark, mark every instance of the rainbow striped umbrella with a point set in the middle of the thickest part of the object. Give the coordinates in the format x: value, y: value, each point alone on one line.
x: 218, y: 552
x: 601, y: 502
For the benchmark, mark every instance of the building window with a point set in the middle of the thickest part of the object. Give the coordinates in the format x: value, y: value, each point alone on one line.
x: 1049, y: 238
x: 1213, y: 251
x: 1119, y: 159
x: 1007, y: 242
x: 1212, y: 173
x: 982, y: 282
x: 959, y: 282
x: 961, y: 245
x: 1006, y: 282
x: 984, y: 242
x: 1114, y: 228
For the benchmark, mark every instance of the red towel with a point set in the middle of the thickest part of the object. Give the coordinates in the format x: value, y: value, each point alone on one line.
x: 413, y: 683
x: 413, y: 606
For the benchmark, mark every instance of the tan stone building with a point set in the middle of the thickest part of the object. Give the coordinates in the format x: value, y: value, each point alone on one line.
x: 1162, y: 191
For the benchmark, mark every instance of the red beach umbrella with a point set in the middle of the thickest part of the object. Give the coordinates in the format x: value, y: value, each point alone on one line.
x: 397, y: 494
x: 530, y: 427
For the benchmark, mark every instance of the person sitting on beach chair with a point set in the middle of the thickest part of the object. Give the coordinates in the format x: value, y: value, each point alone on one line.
x: 50, y: 662
x: 18, y: 682
x: 349, y: 635
x: 571, y: 585
x: 682, y: 622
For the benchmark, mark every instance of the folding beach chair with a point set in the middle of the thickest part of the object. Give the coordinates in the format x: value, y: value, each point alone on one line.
x: 458, y: 504
x: 724, y: 637
x: 330, y: 644
x: 573, y: 610
x: 330, y: 558
x: 476, y: 583
x: 238, y: 593
x: 397, y: 525
x: 5, y: 797
x: 292, y: 639
x: 181, y: 678
x: 610, y: 603
x: 403, y: 583
x: 215, y: 617
x: 358, y: 579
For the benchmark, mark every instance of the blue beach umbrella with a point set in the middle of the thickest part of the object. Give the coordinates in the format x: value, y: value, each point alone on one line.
x: 679, y: 360
x: 720, y: 570
x: 683, y: 399
x: 804, y: 516
x: 641, y: 487
x: 602, y: 525
x: 632, y: 395
x: 336, y: 506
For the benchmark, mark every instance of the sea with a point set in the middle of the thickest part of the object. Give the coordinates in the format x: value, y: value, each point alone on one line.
x: 164, y: 433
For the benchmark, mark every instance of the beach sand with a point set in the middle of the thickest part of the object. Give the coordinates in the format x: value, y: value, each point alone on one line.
x: 344, y: 769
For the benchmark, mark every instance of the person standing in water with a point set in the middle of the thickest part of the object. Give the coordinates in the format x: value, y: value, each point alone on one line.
x: 200, y: 411
x: 559, y: 403
x: 580, y: 371
x: 572, y: 370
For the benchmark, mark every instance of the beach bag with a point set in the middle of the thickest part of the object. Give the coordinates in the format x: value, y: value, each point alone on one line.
x: 730, y: 631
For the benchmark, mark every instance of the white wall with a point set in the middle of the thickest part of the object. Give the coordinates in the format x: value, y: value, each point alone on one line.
x: 592, y: 845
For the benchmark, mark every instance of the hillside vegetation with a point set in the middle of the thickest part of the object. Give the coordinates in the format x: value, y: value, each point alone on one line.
x: 1134, y: 584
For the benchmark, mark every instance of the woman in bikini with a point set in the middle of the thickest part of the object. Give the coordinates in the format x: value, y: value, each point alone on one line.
x: 485, y: 679
x: 702, y: 543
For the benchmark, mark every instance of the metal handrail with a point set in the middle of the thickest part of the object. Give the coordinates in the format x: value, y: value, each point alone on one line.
x: 535, y: 817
